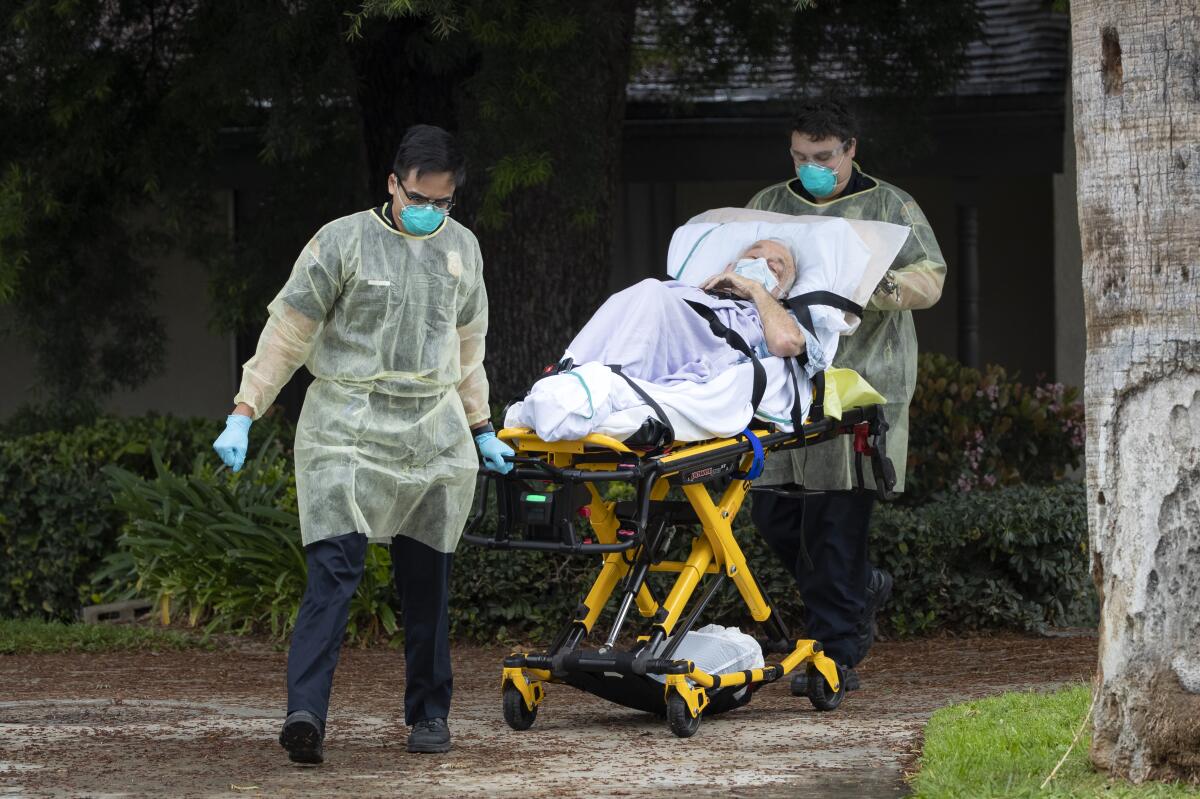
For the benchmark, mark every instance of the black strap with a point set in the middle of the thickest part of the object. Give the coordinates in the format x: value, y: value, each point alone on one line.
x: 799, y: 305
x: 734, y: 340
x: 824, y: 298
x: 641, y: 392
x: 817, y: 412
x: 794, y: 366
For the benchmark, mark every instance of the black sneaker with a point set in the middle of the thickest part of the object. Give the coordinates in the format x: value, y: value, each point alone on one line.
x: 879, y: 588
x: 302, y: 736
x: 430, y: 737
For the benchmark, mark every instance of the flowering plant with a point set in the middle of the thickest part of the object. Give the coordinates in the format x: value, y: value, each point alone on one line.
x: 973, y: 429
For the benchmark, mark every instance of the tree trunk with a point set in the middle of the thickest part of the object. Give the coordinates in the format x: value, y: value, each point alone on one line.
x: 547, y: 265
x: 397, y: 87
x: 1136, y: 76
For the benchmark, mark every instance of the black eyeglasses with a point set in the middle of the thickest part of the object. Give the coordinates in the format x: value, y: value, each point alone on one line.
x: 444, y: 205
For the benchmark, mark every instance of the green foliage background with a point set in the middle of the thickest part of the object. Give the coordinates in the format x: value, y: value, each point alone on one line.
x: 131, y: 120
x: 141, y: 506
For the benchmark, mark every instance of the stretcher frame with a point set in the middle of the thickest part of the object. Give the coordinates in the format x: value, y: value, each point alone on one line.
x: 629, y: 536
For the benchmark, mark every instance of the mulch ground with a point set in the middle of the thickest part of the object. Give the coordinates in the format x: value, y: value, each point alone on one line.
x: 204, y: 724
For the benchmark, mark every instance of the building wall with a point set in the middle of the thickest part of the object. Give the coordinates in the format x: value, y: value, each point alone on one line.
x: 199, y: 370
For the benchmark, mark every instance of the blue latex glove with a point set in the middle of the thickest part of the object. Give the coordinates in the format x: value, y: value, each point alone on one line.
x: 233, y: 443
x: 493, y: 451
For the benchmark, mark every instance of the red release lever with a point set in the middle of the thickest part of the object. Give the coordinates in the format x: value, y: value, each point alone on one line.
x: 861, y: 431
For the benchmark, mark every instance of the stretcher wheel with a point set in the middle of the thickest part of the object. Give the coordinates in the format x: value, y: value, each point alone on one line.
x: 681, y: 720
x: 819, y: 692
x: 516, y: 714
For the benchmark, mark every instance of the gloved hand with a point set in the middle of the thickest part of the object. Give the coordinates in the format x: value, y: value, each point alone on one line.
x: 493, y: 451
x: 232, y: 444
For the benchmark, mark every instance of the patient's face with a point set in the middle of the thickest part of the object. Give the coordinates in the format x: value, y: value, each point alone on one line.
x: 779, y: 261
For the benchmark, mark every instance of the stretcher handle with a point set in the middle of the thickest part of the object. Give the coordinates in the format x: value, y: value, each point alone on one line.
x: 564, y: 475
x: 549, y: 546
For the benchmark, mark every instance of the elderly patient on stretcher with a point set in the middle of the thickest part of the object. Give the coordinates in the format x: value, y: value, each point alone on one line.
x: 687, y: 358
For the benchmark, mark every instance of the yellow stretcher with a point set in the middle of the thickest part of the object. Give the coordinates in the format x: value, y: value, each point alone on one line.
x: 553, y: 501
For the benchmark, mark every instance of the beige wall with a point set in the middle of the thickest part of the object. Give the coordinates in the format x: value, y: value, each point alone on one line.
x: 199, y: 371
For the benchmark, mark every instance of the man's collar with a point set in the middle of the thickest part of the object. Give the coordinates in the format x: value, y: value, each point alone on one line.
x: 385, y: 215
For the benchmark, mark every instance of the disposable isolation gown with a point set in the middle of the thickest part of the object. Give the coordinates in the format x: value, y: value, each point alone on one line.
x: 392, y: 327
x: 884, y: 348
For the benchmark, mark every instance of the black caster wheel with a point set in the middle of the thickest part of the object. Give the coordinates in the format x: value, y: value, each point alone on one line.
x: 819, y: 692
x: 516, y: 714
x: 800, y: 683
x: 680, y: 719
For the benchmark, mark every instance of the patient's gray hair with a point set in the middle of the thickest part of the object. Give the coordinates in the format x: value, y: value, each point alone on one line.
x: 787, y: 245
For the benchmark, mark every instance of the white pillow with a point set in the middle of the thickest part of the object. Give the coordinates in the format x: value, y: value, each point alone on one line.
x: 818, y: 242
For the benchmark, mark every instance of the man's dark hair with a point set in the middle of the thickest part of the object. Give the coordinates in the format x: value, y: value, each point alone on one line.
x: 820, y: 119
x: 428, y: 148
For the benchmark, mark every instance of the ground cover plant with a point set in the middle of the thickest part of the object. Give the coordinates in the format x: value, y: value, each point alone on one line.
x: 39, y: 637
x: 1007, y: 746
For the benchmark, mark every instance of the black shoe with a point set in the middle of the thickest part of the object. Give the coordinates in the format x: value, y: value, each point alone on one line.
x: 879, y: 588
x: 800, y: 681
x: 302, y: 737
x: 430, y: 737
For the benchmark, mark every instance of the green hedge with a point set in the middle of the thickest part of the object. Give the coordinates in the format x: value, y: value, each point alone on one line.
x: 56, y: 523
x: 963, y: 556
x: 1011, y: 558
x: 225, y: 548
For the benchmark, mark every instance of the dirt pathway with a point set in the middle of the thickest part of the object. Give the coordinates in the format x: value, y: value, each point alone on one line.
x: 204, y: 725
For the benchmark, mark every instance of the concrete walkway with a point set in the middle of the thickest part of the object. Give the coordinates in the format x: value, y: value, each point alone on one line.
x: 204, y: 725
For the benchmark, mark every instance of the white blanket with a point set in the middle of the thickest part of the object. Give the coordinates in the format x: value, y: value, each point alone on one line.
x: 830, y: 256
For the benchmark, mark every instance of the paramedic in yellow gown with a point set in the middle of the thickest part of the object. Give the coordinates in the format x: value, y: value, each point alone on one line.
x: 387, y: 309
x: 822, y: 537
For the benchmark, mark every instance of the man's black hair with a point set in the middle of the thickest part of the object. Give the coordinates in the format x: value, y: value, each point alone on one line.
x: 428, y: 148
x: 820, y: 119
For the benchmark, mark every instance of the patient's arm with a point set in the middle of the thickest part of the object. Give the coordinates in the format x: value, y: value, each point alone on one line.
x: 782, y: 334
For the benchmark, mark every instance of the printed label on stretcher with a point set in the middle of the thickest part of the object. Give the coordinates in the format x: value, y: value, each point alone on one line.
x: 705, y: 474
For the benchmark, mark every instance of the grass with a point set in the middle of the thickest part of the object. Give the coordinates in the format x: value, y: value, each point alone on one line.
x: 1007, y: 745
x: 29, y: 637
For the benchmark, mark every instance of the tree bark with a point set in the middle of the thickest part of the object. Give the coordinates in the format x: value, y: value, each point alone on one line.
x: 1136, y: 77
x: 547, y: 266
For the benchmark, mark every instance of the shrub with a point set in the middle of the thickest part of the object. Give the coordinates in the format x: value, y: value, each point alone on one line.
x: 223, y: 549
x: 1015, y: 557
x: 226, y: 551
x: 1011, y: 558
x: 977, y: 430
x: 55, y: 521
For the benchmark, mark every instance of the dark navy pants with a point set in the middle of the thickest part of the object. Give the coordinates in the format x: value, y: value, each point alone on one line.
x: 833, y: 527
x: 421, y: 575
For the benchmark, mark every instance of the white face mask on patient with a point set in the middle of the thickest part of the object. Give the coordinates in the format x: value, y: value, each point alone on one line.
x: 756, y: 269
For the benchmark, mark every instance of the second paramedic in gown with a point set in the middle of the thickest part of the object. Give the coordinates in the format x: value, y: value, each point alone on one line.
x: 387, y: 308
x: 827, y: 552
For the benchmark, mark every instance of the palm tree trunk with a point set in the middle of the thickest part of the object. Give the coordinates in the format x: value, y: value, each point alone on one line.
x: 1136, y: 77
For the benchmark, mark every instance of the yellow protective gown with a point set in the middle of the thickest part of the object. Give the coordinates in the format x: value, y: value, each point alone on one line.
x: 392, y: 327
x: 884, y: 348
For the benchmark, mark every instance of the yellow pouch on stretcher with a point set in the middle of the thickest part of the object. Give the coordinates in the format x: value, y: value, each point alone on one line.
x: 846, y: 388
